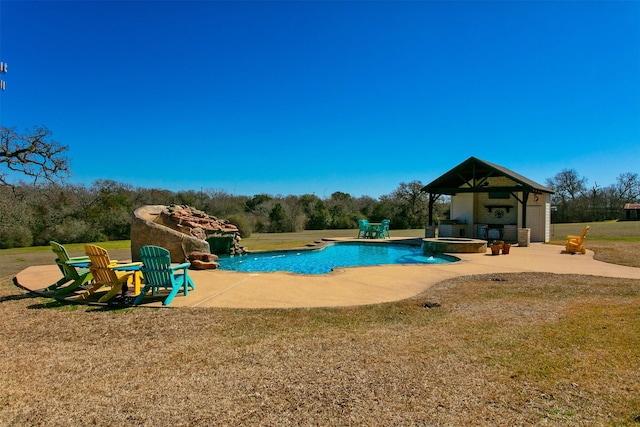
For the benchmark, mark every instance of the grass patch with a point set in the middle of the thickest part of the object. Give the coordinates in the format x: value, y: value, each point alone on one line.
x: 609, y: 231
x: 276, y: 241
x: 522, y: 350
x: 71, y: 247
x: 612, y: 241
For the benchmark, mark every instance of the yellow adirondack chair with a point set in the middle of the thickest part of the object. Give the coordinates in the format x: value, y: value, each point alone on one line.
x: 110, y: 274
x: 576, y: 243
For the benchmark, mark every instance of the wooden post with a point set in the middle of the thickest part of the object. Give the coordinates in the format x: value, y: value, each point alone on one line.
x: 431, y: 200
x: 525, y: 198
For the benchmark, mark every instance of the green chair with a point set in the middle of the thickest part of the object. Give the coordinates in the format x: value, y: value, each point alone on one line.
x: 73, y: 270
x: 382, y: 231
x: 158, y: 272
x: 363, y: 229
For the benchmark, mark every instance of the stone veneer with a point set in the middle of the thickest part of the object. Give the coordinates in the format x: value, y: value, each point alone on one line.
x: 453, y: 245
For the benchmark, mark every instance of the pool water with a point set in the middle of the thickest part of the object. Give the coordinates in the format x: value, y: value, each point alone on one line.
x: 324, y: 260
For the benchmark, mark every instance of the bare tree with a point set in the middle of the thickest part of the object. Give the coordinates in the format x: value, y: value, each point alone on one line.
x: 33, y: 154
x: 569, y: 187
x: 628, y: 187
x: 569, y: 184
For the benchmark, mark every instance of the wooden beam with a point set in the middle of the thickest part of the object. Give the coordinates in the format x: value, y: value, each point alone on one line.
x: 488, y: 189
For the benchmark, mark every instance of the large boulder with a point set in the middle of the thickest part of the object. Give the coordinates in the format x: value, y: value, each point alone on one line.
x: 147, y: 228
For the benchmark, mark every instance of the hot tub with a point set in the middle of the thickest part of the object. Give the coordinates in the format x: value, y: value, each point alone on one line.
x: 453, y: 245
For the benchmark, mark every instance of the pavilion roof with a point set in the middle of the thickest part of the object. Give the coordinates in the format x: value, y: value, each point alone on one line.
x: 471, y: 176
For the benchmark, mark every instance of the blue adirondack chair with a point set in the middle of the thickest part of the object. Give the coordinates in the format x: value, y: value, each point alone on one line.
x: 158, y: 272
x: 73, y: 270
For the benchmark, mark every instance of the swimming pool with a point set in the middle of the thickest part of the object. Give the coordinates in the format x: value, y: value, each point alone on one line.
x: 324, y: 260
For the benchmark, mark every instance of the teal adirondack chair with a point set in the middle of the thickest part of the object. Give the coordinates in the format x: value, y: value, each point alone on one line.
x: 382, y: 231
x: 363, y: 228
x: 158, y: 272
x: 385, y: 230
x: 78, y: 275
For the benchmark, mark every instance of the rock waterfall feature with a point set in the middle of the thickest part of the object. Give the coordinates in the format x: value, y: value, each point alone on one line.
x: 184, y: 231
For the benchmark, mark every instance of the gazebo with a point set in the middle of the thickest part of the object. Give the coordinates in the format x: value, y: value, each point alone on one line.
x: 489, y: 201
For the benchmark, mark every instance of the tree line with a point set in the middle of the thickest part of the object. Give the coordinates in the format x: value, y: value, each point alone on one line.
x: 575, y: 201
x: 47, y: 208
x: 34, y: 214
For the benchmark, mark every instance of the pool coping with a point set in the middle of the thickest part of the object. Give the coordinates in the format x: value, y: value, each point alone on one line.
x: 349, y: 286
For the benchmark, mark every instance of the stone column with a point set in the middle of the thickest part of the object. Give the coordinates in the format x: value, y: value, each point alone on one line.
x: 430, y: 231
x: 524, y: 236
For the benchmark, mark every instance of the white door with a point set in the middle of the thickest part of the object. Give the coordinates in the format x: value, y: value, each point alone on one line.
x: 535, y: 221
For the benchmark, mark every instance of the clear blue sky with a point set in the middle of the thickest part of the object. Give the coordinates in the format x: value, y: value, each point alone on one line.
x: 294, y: 97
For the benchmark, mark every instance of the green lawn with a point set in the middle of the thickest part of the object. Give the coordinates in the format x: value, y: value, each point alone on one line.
x: 611, y: 231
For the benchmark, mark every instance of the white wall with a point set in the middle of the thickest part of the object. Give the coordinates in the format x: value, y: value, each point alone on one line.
x: 472, y: 209
x: 462, y: 207
x: 538, y: 217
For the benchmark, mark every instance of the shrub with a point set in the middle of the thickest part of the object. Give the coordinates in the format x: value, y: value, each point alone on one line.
x: 16, y: 237
x: 244, y: 228
x: 76, y: 231
x: 344, y: 222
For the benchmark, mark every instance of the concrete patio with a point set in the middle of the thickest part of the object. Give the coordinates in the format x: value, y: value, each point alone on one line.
x: 347, y: 286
